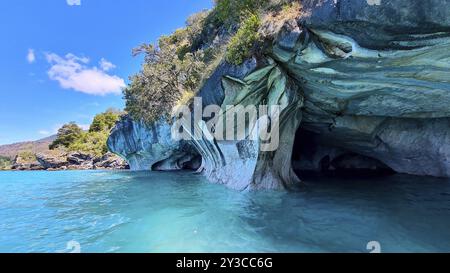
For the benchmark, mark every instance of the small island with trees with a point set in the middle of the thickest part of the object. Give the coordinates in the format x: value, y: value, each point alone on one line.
x: 71, y: 149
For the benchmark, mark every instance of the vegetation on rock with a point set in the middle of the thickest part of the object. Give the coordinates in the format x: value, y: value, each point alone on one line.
x: 175, y: 68
x: 171, y: 70
x: 27, y: 156
x: 242, y: 44
x: 67, y: 135
x: 5, y: 163
x: 231, y: 12
x: 72, y: 138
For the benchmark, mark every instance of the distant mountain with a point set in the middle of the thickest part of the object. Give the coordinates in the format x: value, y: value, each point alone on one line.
x: 38, y: 146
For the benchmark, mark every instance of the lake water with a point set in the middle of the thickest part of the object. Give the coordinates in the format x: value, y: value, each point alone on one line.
x: 181, y: 212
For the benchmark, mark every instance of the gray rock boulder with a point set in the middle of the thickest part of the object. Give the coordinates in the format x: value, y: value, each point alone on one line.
x: 78, y: 158
x: 51, y: 162
x: 147, y: 147
x: 110, y: 161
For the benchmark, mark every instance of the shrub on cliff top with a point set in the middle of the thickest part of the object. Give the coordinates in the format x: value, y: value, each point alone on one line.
x: 243, y: 43
x: 93, y: 143
x: 67, y: 135
x: 170, y: 71
x: 230, y: 12
x: 175, y: 68
x: 164, y: 79
x: 5, y: 163
x: 72, y: 138
x: 105, y: 121
x: 26, y: 156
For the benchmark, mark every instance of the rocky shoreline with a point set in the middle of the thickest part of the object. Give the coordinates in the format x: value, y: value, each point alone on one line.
x: 70, y: 161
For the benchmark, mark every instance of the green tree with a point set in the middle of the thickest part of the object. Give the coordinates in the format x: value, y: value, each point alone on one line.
x: 5, y: 163
x: 67, y: 135
x: 176, y: 66
x: 169, y: 71
x: 94, y: 141
x: 105, y: 121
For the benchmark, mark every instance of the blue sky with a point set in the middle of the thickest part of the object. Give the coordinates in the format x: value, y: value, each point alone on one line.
x: 66, y: 60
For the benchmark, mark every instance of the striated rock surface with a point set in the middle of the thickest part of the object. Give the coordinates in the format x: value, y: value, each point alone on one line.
x: 378, y: 86
x: 109, y: 161
x: 52, y: 162
x: 368, y: 82
x: 150, y: 147
x: 243, y: 165
x: 412, y: 146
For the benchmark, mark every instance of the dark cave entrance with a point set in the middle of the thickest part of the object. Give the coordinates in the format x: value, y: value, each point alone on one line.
x: 185, y: 161
x: 313, y: 156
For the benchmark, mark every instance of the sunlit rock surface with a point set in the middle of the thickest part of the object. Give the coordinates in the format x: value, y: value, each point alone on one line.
x: 368, y: 78
x: 150, y: 147
x: 379, y: 86
x: 243, y: 164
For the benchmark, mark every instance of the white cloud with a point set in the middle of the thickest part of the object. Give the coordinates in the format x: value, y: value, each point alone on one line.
x: 106, y: 65
x: 73, y: 2
x: 44, y: 132
x: 72, y: 72
x: 31, y: 57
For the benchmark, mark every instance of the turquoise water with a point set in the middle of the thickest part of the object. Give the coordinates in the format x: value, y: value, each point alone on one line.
x: 181, y: 212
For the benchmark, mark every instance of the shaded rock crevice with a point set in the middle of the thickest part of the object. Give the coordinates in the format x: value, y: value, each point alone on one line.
x: 411, y: 146
x: 243, y: 164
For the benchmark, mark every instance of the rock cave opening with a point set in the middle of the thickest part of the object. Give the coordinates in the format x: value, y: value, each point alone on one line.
x: 313, y: 156
x: 188, y: 162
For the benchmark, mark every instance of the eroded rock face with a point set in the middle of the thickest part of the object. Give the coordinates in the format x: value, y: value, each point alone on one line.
x: 384, y: 93
x: 149, y: 147
x: 411, y: 146
x: 110, y: 161
x: 380, y: 24
x: 370, y: 78
x: 27, y: 167
x: 52, y: 162
x: 243, y: 164
x: 80, y: 161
